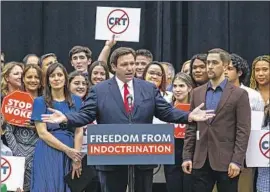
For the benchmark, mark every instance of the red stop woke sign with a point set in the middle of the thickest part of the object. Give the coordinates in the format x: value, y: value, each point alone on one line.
x: 17, y: 108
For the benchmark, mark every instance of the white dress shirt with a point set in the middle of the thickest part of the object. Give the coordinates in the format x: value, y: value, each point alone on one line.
x: 121, y: 87
x: 168, y: 97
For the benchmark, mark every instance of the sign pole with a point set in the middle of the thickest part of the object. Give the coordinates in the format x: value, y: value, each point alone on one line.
x: 131, y: 168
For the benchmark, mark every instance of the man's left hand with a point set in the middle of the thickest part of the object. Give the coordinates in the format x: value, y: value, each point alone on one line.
x: 233, y: 170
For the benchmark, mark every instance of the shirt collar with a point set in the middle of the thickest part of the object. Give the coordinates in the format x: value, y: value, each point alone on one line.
x: 121, y: 83
x: 221, y: 85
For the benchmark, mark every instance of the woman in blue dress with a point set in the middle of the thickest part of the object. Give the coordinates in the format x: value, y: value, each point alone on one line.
x: 59, y: 144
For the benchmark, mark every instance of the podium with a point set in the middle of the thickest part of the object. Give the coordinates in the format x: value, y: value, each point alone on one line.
x: 130, y: 144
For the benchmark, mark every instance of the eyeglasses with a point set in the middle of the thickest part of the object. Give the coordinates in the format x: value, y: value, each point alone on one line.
x: 155, y: 73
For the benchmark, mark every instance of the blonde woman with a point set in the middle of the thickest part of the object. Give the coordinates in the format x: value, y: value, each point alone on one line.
x: 260, y: 81
x: 11, y: 77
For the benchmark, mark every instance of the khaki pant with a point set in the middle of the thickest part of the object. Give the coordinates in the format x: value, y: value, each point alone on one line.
x: 245, y: 183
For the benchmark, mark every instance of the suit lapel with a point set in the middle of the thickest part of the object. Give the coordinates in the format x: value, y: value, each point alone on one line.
x: 115, y: 92
x: 137, y: 95
x: 202, y: 98
x: 225, y: 96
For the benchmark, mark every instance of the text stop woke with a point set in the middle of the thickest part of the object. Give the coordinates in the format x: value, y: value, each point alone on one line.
x: 18, y: 108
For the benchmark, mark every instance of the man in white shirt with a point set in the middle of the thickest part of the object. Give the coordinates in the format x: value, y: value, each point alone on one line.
x: 237, y: 73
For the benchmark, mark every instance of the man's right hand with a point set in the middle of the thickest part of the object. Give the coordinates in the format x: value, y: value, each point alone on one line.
x: 55, y: 117
x: 187, y: 166
x: 111, y: 42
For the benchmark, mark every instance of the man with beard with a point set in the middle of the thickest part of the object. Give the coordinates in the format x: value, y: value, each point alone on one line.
x: 214, y: 150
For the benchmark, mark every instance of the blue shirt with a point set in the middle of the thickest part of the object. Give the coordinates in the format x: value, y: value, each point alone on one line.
x: 213, y: 96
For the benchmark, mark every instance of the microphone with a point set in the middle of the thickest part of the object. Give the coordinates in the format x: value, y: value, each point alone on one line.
x: 130, y: 100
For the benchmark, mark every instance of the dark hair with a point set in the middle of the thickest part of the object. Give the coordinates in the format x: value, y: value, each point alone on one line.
x: 48, y: 93
x: 224, y: 55
x: 46, y: 56
x: 39, y: 72
x: 74, y: 74
x: 241, y: 65
x: 202, y: 57
x: 162, y: 86
x: 79, y: 49
x: 25, y: 59
x: 145, y: 53
x: 187, y: 80
x: 120, y: 52
x: 91, y: 68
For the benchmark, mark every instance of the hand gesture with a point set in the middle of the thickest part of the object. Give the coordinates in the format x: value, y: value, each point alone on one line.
x: 187, y: 166
x: 233, y: 170
x: 74, y: 154
x: 201, y: 115
x: 55, y: 117
x: 111, y: 42
x: 76, y: 168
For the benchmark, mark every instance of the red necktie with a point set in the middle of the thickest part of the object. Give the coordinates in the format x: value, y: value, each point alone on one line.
x: 126, y: 93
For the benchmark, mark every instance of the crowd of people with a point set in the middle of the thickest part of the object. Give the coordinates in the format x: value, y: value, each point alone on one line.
x: 212, y: 153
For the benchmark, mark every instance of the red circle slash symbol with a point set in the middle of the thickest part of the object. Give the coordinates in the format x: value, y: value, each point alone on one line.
x: 118, y: 21
x: 5, y: 169
x: 264, y: 145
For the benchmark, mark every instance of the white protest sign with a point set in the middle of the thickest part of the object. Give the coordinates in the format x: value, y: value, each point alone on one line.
x: 123, y: 22
x: 12, y: 172
x: 258, y: 151
x: 256, y: 120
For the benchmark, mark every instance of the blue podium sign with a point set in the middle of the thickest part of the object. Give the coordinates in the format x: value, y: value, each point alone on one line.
x: 130, y: 144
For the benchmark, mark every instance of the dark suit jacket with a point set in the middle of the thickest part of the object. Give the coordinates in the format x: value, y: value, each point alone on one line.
x: 224, y: 139
x: 105, y: 104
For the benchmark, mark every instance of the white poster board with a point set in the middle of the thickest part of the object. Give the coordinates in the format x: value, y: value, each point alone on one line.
x: 256, y: 120
x: 123, y: 22
x: 12, y: 172
x: 258, y: 151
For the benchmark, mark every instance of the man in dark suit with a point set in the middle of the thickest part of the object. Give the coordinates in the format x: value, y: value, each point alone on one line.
x: 107, y: 103
x: 215, y: 150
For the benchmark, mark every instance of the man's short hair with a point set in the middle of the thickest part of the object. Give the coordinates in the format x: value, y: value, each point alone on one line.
x: 29, y: 55
x: 224, y: 55
x: 145, y: 53
x: 120, y: 52
x: 170, y: 68
x: 241, y: 65
x: 79, y: 49
x: 46, y: 56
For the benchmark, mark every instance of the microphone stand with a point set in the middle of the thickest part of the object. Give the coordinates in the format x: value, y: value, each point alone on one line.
x: 131, y: 168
